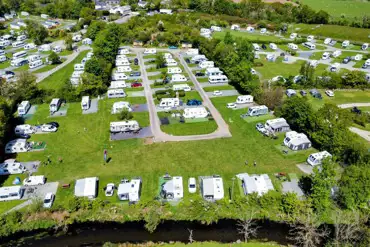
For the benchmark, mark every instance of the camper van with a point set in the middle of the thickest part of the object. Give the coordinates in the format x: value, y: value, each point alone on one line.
x: 3, y: 58
x: 122, y: 62
x: 345, y: 43
x: 178, y: 78
x: 17, y: 44
x: 19, y: 54
x: 309, y: 45
x: 365, y: 46
x: 198, y: 58
x: 33, y: 58
x: 325, y: 56
x: 244, y: 99
x: 11, y: 166
x: 174, y: 70
x: 21, y: 37
x: 180, y: 87
x: 19, y: 62
x: 293, y: 35
x: 273, y: 46
x: 257, y: 111
x: 327, y: 41
x: 206, y: 64
x: 5, y: 43
x: 169, y: 102
x: 124, y: 126
x: 117, y: 84
x: 35, y: 64
x: 116, y: 93
x: 119, y: 76
x: 17, y: 146
x: 24, y: 129
x: 292, y: 46
x: 192, y: 52
x: 218, y: 79
x: 337, y: 53
x: 215, y: 71
x: 123, y: 51
x: 195, y: 112
x: 121, y: 69
x: 23, y: 107
x: 119, y: 106
x: 150, y: 51
x: 54, y: 105
x: 317, y: 158
x: 171, y: 62
x: 11, y: 193
x: 85, y: 103
x: 256, y: 47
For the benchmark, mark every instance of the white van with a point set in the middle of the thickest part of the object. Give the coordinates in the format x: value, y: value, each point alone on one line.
x: 29, y: 46
x: 116, y: 93
x: 35, y: 64
x: 206, y: 64
x: 121, y: 69
x: 150, y: 51
x: 119, y: 76
x: 79, y: 67
x: 244, y: 99
x: 33, y: 58
x: 256, y: 47
x: 309, y: 45
x: 21, y: 37
x: 345, y: 44
x: 3, y: 58
x: 178, y: 78
x: 5, y: 43
x: 292, y: 46
x: 24, y: 129
x: 23, y: 108
x: 218, y: 79
x: 337, y: 53
x: 85, y: 103
x: 273, y: 46
x: 174, y: 70
x: 17, y: 44
x: 325, y: 55
x: 179, y: 87
x: 54, y: 105
x: 117, y: 84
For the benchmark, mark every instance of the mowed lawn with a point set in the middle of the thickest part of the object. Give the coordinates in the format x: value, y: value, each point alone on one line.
x: 255, y: 37
x: 272, y: 69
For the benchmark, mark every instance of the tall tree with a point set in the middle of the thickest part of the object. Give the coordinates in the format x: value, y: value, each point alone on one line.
x: 36, y: 32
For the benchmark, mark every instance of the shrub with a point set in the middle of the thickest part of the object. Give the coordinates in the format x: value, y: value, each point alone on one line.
x: 125, y: 115
x: 54, y: 58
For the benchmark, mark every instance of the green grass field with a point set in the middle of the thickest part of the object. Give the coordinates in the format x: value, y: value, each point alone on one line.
x: 213, y: 88
x: 272, y: 69
x: 190, y: 128
x: 5, y: 65
x: 254, y: 37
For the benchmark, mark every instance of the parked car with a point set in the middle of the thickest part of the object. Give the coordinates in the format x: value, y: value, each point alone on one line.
x: 347, y: 60
x: 136, y: 61
x: 329, y: 93
x: 231, y: 105
x: 217, y: 93
x: 136, y: 84
x: 303, y: 92
x: 109, y: 190
x: 55, y: 124
x: 192, y: 185
x: 356, y: 110
x: 199, y: 74
x: 48, y: 128
x: 187, y: 60
x: 135, y: 74
x: 48, y: 200
x: 261, y: 128
x: 172, y: 47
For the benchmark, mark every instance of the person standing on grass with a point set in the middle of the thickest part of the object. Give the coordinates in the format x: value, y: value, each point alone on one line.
x: 105, y: 155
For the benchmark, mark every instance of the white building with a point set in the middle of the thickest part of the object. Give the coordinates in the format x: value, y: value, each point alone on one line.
x: 11, y: 193
x: 172, y: 189
x: 195, y: 112
x: 11, y: 166
x: 129, y: 190
x: 277, y: 125
x: 17, y: 146
x: 86, y: 187
x: 296, y: 141
x: 317, y: 158
x: 212, y: 188
x: 259, y: 184
x: 124, y: 126
x: 120, y: 105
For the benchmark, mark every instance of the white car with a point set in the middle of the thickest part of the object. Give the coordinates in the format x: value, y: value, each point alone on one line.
x: 192, y: 185
x: 217, y: 93
x: 231, y: 105
x: 48, y: 200
x: 48, y: 128
x: 329, y: 93
x: 109, y: 190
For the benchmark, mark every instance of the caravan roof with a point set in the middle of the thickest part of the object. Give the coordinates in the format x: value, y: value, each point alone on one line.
x: 86, y: 187
x: 277, y: 123
x: 212, y: 188
x: 174, y: 187
x: 130, y: 188
x: 259, y: 184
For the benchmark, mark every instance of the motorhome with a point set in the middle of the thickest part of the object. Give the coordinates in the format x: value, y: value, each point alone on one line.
x: 178, y: 78
x: 293, y: 35
x: 44, y: 48
x: 23, y: 108
x: 327, y: 41
x: 218, y: 79
x: 235, y: 27
x: 122, y: 62
x: 216, y: 28
x: 337, y: 53
x: 21, y: 37
x: 5, y: 43
x: 171, y: 62
x: 121, y: 69
x: 123, y: 51
x: 24, y: 129
x: 180, y: 87
x: 19, y: 62
x: 124, y: 126
x: 365, y: 46
x: 129, y: 190
x: 11, y: 166
x: 192, y: 52
x: 174, y: 70
x: 9, y: 193
x: 244, y: 99
x: 250, y: 29
x: 17, y: 146
x: 317, y: 158
x: 325, y: 56
x: 120, y: 106
x: 54, y: 105
x: 35, y: 64
x: 57, y: 49
x: 86, y: 187
x: 198, y: 58
x: 117, y: 84
x: 256, y: 47
x: 215, y: 71
x: 119, y: 76
x: 212, y: 188
x: 309, y: 45
x: 85, y: 103
x: 195, y: 112
x: 33, y: 58
x: 116, y: 93
x: 79, y: 67
x: 277, y: 125
x: 19, y: 54
x: 169, y: 102
x: 206, y: 64
x: 296, y: 141
x: 273, y: 46
x: 150, y: 51
x: 17, y: 44
x: 77, y: 37
x: 345, y: 43
x: 172, y: 189
x: 292, y: 46
x: 3, y: 58
x: 310, y: 38
x: 257, y: 110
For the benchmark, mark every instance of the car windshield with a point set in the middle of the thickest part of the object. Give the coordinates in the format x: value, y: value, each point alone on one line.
x: 47, y: 200
x: 192, y: 186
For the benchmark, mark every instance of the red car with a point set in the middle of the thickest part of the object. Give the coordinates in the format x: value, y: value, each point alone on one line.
x: 136, y: 84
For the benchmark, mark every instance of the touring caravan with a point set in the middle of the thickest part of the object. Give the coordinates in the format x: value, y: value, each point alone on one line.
x: 11, y: 193
x: 310, y: 38
x: 296, y: 141
x: 19, y: 62
x: 17, y: 146
x: 244, y: 99
x: 198, y: 58
x: 273, y: 46
x: 17, y: 44
x: 121, y: 57
x: 122, y: 62
x: 325, y: 55
x: 123, y: 51
x: 218, y: 79
x: 44, y: 16
x: 345, y: 43
x: 33, y: 58
x: 235, y: 27
x: 21, y: 37
x: 129, y: 190
x: 179, y: 87
x: 277, y: 125
x: 150, y: 51
x: 44, y: 48
x: 167, y: 55
x: 119, y: 76
x: 35, y: 64
x: 292, y: 46
x: 174, y: 70
x: 19, y: 54
x: 317, y: 158
x: 257, y: 110
x: 24, y: 129
x: 11, y: 166
x: 327, y: 41
x: 171, y: 62
x: 120, y: 105
x: 121, y: 69
x: 178, y: 78
x: 250, y: 29
x: 89, y: 55
x: 124, y: 126
x: 3, y: 58
x: 79, y: 67
x: 116, y: 93
x: 337, y: 53
x: 314, y: 63
x: 85, y: 103
x: 214, y: 71
x: 216, y: 28
x: 5, y: 43
x: 309, y: 45
x: 195, y: 112
x: 23, y: 108
x: 77, y: 37
x: 86, y: 187
x: 192, y: 52
x: 206, y: 64
x: 293, y: 35
x: 212, y: 188
x: 358, y: 57
x: 77, y: 74
x: 365, y: 46
x: 87, y: 41
x: 54, y: 105
x: 117, y: 84
x: 335, y: 67
x: 169, y: 102
x: 256, y: 47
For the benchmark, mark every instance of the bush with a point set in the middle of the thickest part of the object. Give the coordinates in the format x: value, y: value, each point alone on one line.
x: 125, y: 115
x: 54, y: 58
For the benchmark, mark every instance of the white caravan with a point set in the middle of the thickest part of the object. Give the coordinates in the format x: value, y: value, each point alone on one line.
x: 206, y: 64
x: 11, y: 166
x: 89, y: 55
x: 121, y: 69
x: 198, y: 58
x: 178, y: 78
x: 309, y: 45
x: 36, y: 64
x: 54, y: 105
x: 119, y: 76
x: 44, y: 48
x: 19, y: 62
x: 192, y: 52
x: 169, y: 102
x: 364, y: 46
x: 171, y: 62
x: 358, y: 57
x: 314, y: 63
x: 129, y: 190
x: 179, y: 87
x: 244, y: 99
x: 216, y: 28
x: 19, y: 54
x: 296, y: 141
x: 250, y: 29
x: 150, y: 51
x: 11, y: 193
x: 3, y: 58
x: 257, y: 110
x: 174, y: 70
x: 167, y: 56
x: 212, y: 188
x: 335, y: 67
x: 33, y: 58
x: 172, y: 189
x: 29, y: 46
x: 77, y: 37
x: 124, y: 126
x: 123, y: 51
x: 17, y: 146
x: 317, y: 158
x: 327, y: 41
x: 310, y: 38
x: 77, y: 74
x: 325, y: 56
x: 117, y: 84
x: 337, y: 53
x: 195, y: 112
x: 273, y: 46
x: 122, y: 62
x: 235, y: 27
x: 86, y: 187
x: 116, y: 93
x: 79, y: 67
x: 24, y: 129
x: 17, y: 44
x: 215, y: 71
x: 57, y: 49
x: 218, y: 79
x: 120, y: 105
x: 85, y: 103
x: 121, y: 57
x: 292, y: 46
x: 5, y: 43
x: 256, y: 47
x: 293, y: 35
x: 34, y: 180
x: 345, y: 44
x: 23, y: 108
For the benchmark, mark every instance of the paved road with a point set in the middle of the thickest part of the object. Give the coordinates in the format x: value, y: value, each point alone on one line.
x: 351, y: 105
x: 363, y: 133
x: 159, y: 135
